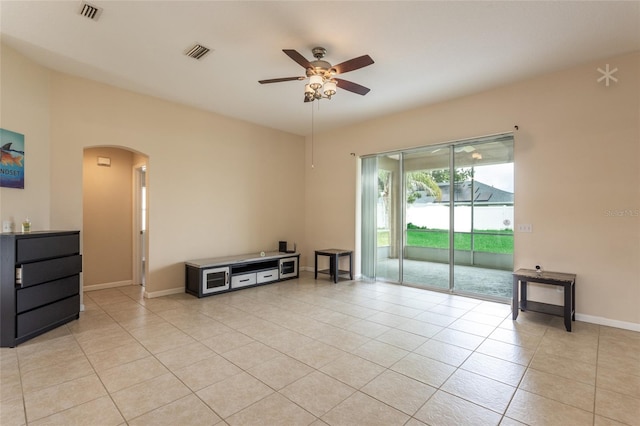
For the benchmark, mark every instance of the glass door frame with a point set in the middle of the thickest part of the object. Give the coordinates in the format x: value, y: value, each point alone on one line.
x: 401, y: 219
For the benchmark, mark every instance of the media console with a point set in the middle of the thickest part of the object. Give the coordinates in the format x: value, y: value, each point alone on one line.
x: 204, y: 277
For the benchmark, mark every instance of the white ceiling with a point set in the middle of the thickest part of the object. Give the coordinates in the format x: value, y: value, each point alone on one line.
x: 424, y: 51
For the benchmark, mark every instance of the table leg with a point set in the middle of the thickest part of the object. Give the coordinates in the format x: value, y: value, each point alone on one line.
x: 336, y: 268
x: 350, y: 267
x: 568, y: 303
x: 573, y: 300
x: 515, y: 303
x: 523, y: 295
x: 316, y: 268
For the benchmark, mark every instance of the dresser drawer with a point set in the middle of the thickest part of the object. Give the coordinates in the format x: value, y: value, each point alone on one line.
x: 243, y: 280
x: 47, y: 316
x: 39, y: 295
x: 267, y: 276
x: 49, y: 270
x: 30, y: 249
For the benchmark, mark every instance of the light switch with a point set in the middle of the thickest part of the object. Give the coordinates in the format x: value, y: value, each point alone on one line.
x: 525, y: 227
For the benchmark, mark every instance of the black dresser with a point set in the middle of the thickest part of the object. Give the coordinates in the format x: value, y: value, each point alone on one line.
x: 39, y: 283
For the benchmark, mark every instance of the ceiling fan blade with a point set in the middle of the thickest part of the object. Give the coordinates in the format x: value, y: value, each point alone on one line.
x: 352, y: 87
x: 279, y: 80
x: 293, y: 54
x: 353, y: 64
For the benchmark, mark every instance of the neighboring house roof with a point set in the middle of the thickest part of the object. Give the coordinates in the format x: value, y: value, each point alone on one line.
x: 483, y: 194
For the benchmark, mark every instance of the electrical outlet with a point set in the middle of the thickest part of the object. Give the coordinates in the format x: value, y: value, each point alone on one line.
x: 525, y: 227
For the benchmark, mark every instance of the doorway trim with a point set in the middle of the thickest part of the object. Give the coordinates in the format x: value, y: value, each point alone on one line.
x: 140, y: 236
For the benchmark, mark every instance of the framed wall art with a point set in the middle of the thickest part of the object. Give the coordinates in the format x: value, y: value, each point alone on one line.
x: 12, y: 159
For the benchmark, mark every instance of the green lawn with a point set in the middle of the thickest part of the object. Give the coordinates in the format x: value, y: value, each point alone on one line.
x: 490, y: 243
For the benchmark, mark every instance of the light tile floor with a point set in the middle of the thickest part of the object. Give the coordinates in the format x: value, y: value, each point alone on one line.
x: 306, y: 352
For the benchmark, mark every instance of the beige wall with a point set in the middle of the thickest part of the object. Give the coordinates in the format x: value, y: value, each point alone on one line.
x: 217, y: 186
x: 221, y: 186
x: 107, y: 206
x: 576, y: 158
x: 24, y: 108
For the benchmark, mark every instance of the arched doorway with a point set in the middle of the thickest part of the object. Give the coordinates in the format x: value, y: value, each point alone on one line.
x: 115, y: 249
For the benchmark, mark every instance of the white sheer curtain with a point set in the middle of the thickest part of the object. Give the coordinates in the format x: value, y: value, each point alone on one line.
x: 369, y: 229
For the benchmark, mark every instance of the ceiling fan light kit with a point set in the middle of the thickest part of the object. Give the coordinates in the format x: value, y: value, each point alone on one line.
x: 319, y: 87
x: 322, y: 84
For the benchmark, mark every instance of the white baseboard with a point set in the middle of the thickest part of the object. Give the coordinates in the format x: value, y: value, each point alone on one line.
x: 608, y: 322
x: 107, y: 285
x: 161, y: 293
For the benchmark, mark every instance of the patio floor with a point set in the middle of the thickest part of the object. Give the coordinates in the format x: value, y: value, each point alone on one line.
x: 468, y: 279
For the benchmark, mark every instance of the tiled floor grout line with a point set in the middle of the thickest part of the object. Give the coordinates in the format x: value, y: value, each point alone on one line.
x: 96, y: 372
x: 595, y: 382
x: 75, y: 337
x: 388, y: 303
x: 527, y: 367
x: 439, y: 388
x: 194, y: 392
x: 356, y: 390
x: 110, y: 394
x: 410, y: 352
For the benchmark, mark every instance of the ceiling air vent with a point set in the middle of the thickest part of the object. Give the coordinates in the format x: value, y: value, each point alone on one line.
x: 89, y: 11
x: 197, y: 51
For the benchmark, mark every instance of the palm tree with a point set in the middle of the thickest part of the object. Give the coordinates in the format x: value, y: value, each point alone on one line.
x: 421, y: 181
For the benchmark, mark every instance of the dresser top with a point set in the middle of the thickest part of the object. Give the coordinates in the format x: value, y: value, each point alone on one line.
x: 36, y: 234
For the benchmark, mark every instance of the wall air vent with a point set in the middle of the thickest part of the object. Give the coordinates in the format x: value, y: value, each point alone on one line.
x: 90, y: 11
x: 197, y: 51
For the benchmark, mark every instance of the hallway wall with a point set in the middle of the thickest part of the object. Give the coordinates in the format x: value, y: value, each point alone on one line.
x: 107, y: 218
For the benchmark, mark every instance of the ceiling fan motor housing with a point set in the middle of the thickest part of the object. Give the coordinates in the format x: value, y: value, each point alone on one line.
x: 319, y: 52
x: 319, y: 68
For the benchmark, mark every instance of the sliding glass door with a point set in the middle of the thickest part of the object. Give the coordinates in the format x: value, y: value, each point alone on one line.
x: 427, y: 216
x: 444, y: 217
x: 483, y: 207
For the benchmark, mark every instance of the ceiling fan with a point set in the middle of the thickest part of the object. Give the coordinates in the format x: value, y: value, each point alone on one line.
x: 322, y: 83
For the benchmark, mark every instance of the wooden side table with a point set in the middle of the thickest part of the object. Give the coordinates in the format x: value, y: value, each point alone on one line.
x: 568, y: 281
x: 334, y: 263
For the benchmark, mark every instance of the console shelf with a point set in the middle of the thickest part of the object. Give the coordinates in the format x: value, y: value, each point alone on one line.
x: 205, y: 277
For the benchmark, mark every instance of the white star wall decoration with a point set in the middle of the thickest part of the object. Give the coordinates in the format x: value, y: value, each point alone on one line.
x: 607, y: 75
